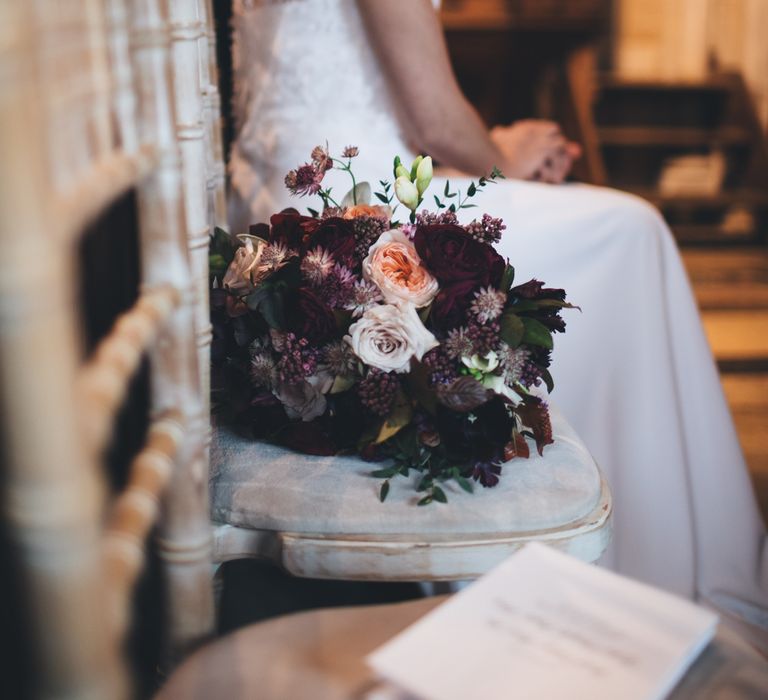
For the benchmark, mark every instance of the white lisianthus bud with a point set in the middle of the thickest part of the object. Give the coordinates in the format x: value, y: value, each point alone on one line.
x: 402, y: 171
x: 496, y: 383
x: 424, y: 174
x: 407, y: 193
x: 482, y: 364
x: 414, y: 166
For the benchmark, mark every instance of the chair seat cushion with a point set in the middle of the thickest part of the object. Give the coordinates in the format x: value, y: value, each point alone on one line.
x: 262, y: 486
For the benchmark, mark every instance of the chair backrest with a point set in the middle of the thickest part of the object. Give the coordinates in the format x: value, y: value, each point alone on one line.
x: 98, y: 98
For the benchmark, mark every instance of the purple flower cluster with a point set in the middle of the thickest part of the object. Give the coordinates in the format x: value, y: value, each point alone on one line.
x: 378, y: 391
x: 487, y: 230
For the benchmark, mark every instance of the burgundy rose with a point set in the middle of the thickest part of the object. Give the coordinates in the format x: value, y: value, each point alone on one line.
x: 449, y: 308
x: 308, y: 316
x: 451, y: 255
x: 289, y: 228
x: 334, y: 235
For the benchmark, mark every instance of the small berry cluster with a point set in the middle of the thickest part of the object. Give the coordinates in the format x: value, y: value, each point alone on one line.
x: 378, y: 391
x: 442, y: 370
x: 487, y: 230
x: 367, y: 231
x: 297, y: 360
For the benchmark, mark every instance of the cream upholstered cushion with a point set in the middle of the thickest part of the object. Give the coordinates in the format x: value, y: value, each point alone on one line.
x: 261, y: 486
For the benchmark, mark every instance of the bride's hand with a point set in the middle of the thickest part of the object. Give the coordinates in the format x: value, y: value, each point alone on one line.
x: 535, y: 150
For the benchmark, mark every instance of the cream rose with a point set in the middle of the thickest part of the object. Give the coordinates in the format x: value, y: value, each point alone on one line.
x: 388, y: 336
x: 394, y: 266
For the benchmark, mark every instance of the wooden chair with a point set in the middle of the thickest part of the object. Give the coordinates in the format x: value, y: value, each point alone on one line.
x: 320, y: 517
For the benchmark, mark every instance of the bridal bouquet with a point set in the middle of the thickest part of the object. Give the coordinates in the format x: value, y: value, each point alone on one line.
x: 348, y: 331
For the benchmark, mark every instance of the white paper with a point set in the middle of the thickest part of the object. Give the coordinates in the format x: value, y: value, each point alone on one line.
x: 544, y: 625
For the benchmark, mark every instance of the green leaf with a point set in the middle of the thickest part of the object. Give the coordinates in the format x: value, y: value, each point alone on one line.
x: 217, y: 265
x: 447, y: 188
x: 439, y: 495
x: 512, y: 329
x: 439, y: 204
x: 313, y: 212
x: 452, y: 208
x: 424, y: 483
x: 536, y: 333
x: 507, y: 279
x: 381, y: 197
x: 471, y: 190
x: 384, y: 491
x: 468, y: 206
x: 271, y: 308
x: 385, y: 473
x: 466, y: 484
x: 425, y: 501
x: 342, y: 383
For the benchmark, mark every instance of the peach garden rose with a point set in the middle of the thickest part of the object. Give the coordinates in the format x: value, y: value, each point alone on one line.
x: 394, y: 266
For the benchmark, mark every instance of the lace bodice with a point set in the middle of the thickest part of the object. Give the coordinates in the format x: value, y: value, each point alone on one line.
x: 286, y: 102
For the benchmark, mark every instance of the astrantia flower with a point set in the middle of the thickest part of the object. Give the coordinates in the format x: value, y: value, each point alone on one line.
x: 305, y: 180
x: 350, y: 152
x: 363, y: 296
x: 339, y: 359
x: 458, y: 344
x: 337, y: 287
x: 321, y: 158
x: 276, y: 255
x: 263, y: 370
x: 388, y: 336
x: 317, y: 265
x: 513, y: 362
x: 488, y: 304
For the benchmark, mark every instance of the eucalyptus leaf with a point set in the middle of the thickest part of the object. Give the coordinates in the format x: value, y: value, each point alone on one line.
x: 465, y: 483
x: 384, y: 491
x: 439, y: 495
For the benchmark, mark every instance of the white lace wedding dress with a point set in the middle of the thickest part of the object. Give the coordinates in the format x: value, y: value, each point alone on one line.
x: 633, y: 373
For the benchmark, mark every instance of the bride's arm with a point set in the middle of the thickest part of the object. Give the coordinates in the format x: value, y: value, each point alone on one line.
x: 408, y: 40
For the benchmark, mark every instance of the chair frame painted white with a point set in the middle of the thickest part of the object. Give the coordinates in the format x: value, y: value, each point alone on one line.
x: 87, y: 113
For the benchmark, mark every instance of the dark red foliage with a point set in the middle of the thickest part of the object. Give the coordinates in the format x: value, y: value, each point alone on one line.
x: 334, y: 235
x: 308, y: 316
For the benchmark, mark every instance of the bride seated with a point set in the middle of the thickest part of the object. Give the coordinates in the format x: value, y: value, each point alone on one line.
x: 635, y: 374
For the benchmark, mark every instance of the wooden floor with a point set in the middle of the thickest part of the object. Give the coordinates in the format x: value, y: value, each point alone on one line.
x: 731, y: 287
